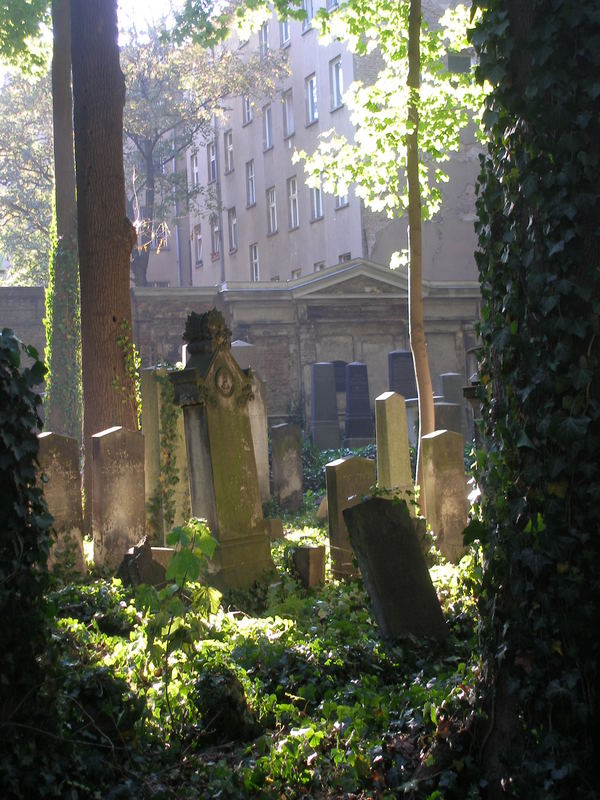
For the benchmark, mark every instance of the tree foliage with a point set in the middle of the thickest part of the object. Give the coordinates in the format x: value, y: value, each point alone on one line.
x: 20, y: 25
x: 539, y: 262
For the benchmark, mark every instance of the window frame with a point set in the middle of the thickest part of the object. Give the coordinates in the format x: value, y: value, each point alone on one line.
x: 293, y: 203
x: 267, y: 127
x: 198, y: 252
x: 247, y: 113
x: 215, y: 237
x: 195, y: 170
x: 288, y: 113
x: 211, y: 159
x: 312, y: 99
x: 232, y: 229
x: 263, y: 39
x: 228, y: 151
x: 307, y: 6
x: 250, y: 184
x: 284, y: 28
x: 316, y: 203
x: 271, y: 204
x: 336, y: 83
x: 254, y: 262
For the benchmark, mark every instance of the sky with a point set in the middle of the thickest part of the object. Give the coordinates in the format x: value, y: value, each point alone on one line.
x: 141, y: 12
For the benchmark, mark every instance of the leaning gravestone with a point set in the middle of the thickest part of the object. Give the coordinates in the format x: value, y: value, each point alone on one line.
x: 384, y: 537
x: 393, y: 456
x: 118, y: 507
x: 58, y: 459
x: 445, y: 490
x: 348, y: 480
x: 286, y: 448
x: 324, y: 428
x: 359, y: 422
x: 214, y: 393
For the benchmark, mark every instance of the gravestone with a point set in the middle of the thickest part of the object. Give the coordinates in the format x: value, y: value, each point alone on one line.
x: 403, y: 599
x: 324, y: 429
x: 402, y: 373
x: 348, y: 480
x: 214, y: 393
x: 452, y: 390
x: 286, y: 449
x: 118, y: 505
x: 393, y: 457
x: 448, y: 416
x: 445, y: 490
x: 309, y: 563
x: 58, y: 459
x: 359, y: 422
x: 164, y: 441
x: 412, y: 420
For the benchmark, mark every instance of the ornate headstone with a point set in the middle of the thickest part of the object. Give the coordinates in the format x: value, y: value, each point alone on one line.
x: 118, y: 504
x: 324, y: 428
x: 214, y: 393
x: 445, y: 490
x: 402, y: 373
x: 348, y: 480
x: 286, y: 447
x: 58, y: 459
x: 359, y: 421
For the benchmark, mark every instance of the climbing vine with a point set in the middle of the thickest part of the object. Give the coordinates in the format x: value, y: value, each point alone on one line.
x: 539, y: 263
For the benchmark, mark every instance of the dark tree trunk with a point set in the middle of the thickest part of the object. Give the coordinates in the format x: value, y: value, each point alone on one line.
x: 105, y: 234
x: 63, y: 397
x: 418, y: 343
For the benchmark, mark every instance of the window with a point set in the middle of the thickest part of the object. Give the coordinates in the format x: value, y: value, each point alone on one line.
x: 246, y: 110
x: 336, y: 82
x: 250, y: 185
x: 319, y: 265
x: 293, y: 211
x: 254, y: 265
x: 316, y: 203
x: 296, y: 273
x: 267, y: 127
x: 211, y: 152
x: 263, y: 39
x: 310, y: 87
x: 198, y: 244
x: 284, y: 32
x: 307, y: 6
x: 341, y: 200
x: 232, y: 229
x: 271, y: 211
x: 228, y: 150
x: 344, y: 257
x: 288, y: 113
x: 214, y: 237
x: 195, y: 173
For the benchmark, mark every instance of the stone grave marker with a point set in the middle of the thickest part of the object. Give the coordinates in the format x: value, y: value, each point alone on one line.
x: 118, y: 504
x: 60, y: 478
x: 403, y: 599
x: 286, y: 450
x: 402, y: 373
x: 348, y: 480
x: 448, y: 416
x: 214, y: 393
x: 324, y: 429
x: 452, y: 391
x: 309, y: 563
x: 359, y: 421
x: 393, y: 457
x: 412, y: 420
x: 162, y: 422
x: 445, y: 489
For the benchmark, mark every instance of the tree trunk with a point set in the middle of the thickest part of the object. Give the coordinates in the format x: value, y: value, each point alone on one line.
x: 105, y: 234
x: 416, y: 326
x: 63, y: 387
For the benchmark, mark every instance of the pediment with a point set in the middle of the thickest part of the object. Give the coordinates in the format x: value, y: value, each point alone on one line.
x: 358, y: 279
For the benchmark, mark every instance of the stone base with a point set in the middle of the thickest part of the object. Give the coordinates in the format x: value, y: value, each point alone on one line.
x: 240, y: 562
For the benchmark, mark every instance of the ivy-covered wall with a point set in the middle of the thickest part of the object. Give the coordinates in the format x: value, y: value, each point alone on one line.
x: 539, y: 263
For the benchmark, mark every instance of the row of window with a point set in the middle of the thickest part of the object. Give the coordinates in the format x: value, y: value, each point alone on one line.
x: 284, y: 26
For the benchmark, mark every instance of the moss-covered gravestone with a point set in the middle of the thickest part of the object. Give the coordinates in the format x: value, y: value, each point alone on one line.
x: 214, y: 393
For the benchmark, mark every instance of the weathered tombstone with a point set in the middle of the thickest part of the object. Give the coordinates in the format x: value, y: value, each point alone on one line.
x: 445, y: 490
x: 118, y: 506
x: 348, y: 480
x: 286, y: 450
x: 384, y: 537
x: 359, y: 421
x: 402, y: 373
x: 309, y: 563
x: 393, y: 456
x: 448, y: 416
x: 58, y: 459
x: 214, y: 393
x: 167, y: 502
x: 324, y: 429
x: 452, y: 390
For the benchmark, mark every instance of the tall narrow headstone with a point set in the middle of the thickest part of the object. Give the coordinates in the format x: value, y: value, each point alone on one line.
x: 324, y: 429
x: 118, y: 507
x: 359, y: 421
x: 214, y: 393
x: 393, y: 456
x: 452, y: 390
x: 286, y: 448
x: 58, y: 459
x: 164, y: 441
x: 348, y: 480
x: 448, y: 416
x: 445, y: 490
x: 402, y: 373
x: 412, y: 420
